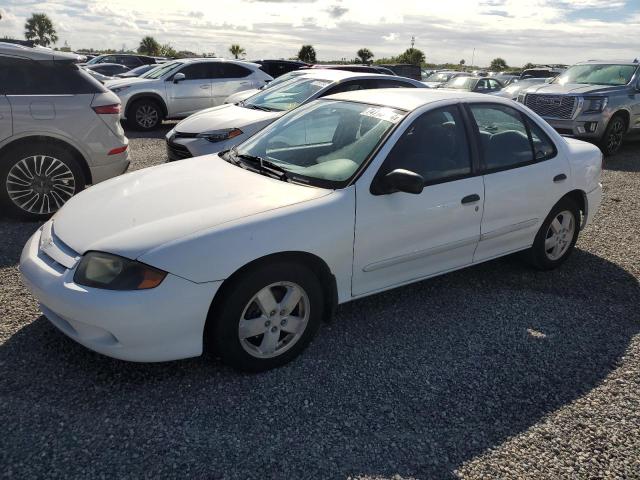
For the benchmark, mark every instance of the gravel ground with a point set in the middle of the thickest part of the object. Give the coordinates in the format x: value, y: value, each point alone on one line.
x: 496, y: 371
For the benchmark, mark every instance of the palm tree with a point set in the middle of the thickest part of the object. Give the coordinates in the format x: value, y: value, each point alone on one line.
x: 39, y: 28
x: 413, y: 56
x: 364, y: 54
x: 236, y: 50
x: 149, y: 46
x: 307, y: 54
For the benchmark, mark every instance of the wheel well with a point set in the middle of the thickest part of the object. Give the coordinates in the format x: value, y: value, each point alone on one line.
x: 147, y: 96
x: 580, y: 199
x: 56, y: 141
x: 315, y: 263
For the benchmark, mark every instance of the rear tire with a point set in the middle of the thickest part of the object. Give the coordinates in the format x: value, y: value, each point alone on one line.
x: 611, y: 141
x: 267, y: 316
x: 557, y: 236
x: 37, y: 179
x: 144, y: 114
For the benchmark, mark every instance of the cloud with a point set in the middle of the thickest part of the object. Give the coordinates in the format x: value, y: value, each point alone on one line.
x: 337, y: 11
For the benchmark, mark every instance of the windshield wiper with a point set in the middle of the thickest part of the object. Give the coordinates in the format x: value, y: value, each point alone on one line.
x: 265, y: 165
x: 257, y: 107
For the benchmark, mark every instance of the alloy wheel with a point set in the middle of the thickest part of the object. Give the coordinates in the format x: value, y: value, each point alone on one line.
x: 614, y: 140
x: 559, y: 235
x: 40, y: 184
x: 147, y: 116
x: 274, y: 320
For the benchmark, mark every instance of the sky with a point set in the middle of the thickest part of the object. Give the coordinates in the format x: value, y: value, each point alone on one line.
x: 520, y: 31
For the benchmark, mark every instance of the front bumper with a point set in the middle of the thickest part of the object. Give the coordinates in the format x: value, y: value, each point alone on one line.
x: 160, y: 324
x: 583, y: 126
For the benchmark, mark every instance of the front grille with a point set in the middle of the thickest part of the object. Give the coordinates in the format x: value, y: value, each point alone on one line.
x: 553, y: 106
x: 175, y: 151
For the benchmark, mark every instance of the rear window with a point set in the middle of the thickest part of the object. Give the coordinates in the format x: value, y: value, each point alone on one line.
x: 28, y: 77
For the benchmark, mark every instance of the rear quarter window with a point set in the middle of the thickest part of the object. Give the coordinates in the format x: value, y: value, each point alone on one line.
x: 28, y: 77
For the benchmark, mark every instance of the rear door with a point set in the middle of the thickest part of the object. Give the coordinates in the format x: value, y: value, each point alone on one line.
x: 6, y: 122
x: 191, y: 94
x: 227, y: 79
x: 525, y: 176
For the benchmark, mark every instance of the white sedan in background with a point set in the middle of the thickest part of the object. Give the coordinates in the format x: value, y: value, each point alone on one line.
x: 246, y: 252
x: 220, y: 128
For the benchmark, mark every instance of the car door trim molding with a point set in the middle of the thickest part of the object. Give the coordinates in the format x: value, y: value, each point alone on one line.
x: 407, y: 257
x: 509, y: 229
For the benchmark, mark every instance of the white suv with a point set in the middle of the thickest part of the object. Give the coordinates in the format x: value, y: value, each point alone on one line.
x: 59, y: 131
x: 182, y: 87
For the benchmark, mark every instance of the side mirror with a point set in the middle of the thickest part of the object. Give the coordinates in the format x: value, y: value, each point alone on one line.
x: 399, y: 180
x: 178, y: 77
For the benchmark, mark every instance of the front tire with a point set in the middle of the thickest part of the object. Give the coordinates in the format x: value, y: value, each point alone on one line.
x: 612, y: 139
x: 37, y: 179
x: 266, y: 317
x: 557, y: 236
x: 145, y: 115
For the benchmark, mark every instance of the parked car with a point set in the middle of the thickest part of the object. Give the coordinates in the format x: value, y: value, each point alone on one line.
x: 357, y: 193
x: 244, y: 94
x: 541, y: 72
x: 59, y: 131
x: 405, y: 70
x: 513, y: 90
x: 276, y: 68
x: 136, y: 72
x: 595, y: 100
x: 506, y: 79
x: 474, y: 84
x: 220, y: 128
x: 131, y: 61
x: 98, y: 76
x: 182, y: 87
x: 107, y: 69
x: 356, y: 68
x: 440, y: 78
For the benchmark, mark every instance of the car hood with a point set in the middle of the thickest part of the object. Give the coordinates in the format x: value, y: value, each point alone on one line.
x: 133, y: 213
x: 225, y: 116
x: 239, y: 96
x: 572, y: 88
x: 120, y: 82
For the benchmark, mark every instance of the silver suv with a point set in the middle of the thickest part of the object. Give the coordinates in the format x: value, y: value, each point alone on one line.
x: 591, y: 100
x: 182, y: 87
x: 59, y: 131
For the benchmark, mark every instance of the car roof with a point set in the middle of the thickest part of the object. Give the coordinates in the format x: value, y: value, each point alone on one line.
x: 608, y: 62
x: 216, y: 60
x: 37, y: 53
x: 342, y: 75
x: 406, y: 98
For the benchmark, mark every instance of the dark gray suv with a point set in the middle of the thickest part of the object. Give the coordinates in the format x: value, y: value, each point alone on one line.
x: 594, y: 100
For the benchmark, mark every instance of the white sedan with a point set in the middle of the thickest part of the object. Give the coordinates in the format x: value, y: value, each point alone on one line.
x: 357, y: 193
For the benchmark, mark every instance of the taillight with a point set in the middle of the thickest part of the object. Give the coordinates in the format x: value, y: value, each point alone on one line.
x: 107, y: 109
x: 118, y: 150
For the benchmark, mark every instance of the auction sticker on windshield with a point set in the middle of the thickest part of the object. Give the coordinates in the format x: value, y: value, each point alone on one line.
x: 382, y: 114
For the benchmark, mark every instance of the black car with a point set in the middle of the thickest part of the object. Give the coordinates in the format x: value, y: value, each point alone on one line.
x: 130, y: 61
x: 108, y: 69
x: 275, y: 68
x: 406, y: 70
x: 541, y: 72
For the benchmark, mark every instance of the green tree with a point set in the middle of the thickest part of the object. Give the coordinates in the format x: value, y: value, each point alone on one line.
x: 412, y: 56
x: 498, y: 64
x: 528, y: 66
x: 365, y: 55
x: 39, y: 28
x: 167, y: 50
x: 237, y: 50
x: 149, y: 46
x: 307, y: 54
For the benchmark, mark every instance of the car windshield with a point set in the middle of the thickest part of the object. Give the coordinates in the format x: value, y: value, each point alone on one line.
x: 323, y: 143
x: 462, y: 83
x: 286, y: 96
x: 160, y: 70
x: 438, y: 77
x: 598, y: 74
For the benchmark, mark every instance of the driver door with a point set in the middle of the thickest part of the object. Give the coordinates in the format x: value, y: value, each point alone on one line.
x: 402, y: 237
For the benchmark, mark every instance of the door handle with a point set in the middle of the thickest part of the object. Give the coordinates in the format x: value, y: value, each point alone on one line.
x: 471, y: 199
x: 559, y: 178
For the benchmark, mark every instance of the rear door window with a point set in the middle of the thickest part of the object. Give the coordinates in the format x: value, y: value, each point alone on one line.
x: 231, y: 70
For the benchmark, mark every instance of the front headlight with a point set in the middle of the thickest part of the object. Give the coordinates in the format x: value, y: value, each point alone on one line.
x: 220, y: 135
x: 112, y: 272
x: 594, y: 104
x: 119, y: 89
